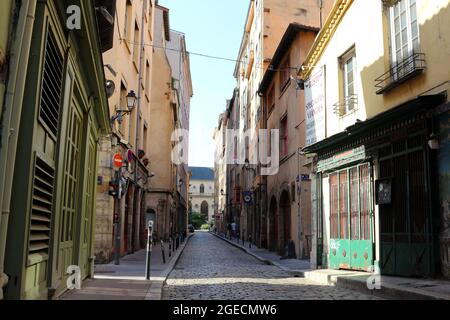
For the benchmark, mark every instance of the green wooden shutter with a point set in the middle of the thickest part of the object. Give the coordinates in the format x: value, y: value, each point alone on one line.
x: 41, y: 209
x: 51, y: 86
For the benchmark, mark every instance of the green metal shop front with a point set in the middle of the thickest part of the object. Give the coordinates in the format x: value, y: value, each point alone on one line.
x: 351, y: 218
x: 345, y: 191
x: 407, y: 219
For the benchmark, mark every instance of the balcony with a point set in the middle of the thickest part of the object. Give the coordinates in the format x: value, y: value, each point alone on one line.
x: 401, y: 72
x: 346, y: 106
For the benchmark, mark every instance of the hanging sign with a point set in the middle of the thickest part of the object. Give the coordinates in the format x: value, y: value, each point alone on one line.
x: 315, y: 108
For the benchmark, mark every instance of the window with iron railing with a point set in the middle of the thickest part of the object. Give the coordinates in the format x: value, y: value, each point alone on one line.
x: 349, y: 97
x: 406, y: 59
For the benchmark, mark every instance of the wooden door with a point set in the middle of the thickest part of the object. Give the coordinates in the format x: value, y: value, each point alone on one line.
x: 70, y: 210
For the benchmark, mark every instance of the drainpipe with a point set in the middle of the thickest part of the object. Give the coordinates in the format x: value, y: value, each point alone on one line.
x: 11, y: 119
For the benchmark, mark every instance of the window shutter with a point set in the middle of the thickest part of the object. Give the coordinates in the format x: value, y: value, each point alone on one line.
x: 41, y: 209
x: 51, y: 86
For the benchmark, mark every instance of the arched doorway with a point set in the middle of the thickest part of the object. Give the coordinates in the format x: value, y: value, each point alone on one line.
x: 284, y: 222
x: 204, y: 209
x: 273, y: 225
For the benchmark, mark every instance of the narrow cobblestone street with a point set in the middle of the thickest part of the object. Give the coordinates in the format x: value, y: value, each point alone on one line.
x: 211, y: 269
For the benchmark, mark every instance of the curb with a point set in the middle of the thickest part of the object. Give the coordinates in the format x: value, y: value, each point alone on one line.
x: 387, y: 290
x: 345, y: 281
x: 295, y: 273
x: 156, y: 288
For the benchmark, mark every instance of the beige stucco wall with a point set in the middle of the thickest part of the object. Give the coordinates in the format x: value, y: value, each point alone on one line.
x: 162, y: 185
x: 291, y: 102
x: 373, y: 58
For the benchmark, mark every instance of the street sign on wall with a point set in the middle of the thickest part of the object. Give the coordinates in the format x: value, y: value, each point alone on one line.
x: 248, y: 197
x: 315, y: 106
x: 118, y: 160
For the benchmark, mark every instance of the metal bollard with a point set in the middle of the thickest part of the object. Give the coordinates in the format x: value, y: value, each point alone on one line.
x: 170, y: 247
x: 149, y: 249
x: 243, y: 238
x: 250, y: 241
x: 163, y: 253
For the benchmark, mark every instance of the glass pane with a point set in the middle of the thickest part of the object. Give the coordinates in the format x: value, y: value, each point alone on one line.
x: 414, y: 29
x: 334, y: 200
x: 354, y: 205
x: 350, y: 76
x: 396, y: 10
x: 399, y: 55
x: 402, y: 5
x: 365, y: 201
x: 405, y: 52
x: 413, y: 11
x: 397, y: 25
x: 403, y: 20
x: 405, y: 37
x: 398, y: 43
x: 351, y: 89
x: 343, y: 204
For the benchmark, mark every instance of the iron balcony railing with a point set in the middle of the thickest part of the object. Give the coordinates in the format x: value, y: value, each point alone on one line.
x: 401, y: 72
x: 348, y: 105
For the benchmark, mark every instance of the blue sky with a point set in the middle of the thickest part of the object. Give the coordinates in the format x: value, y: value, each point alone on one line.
x: 214, y: 28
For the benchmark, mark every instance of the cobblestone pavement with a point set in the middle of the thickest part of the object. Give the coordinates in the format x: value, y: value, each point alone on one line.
x: 211, y: 269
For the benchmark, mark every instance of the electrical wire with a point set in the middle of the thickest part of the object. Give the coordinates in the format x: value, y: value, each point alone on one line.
x: 207, y: 56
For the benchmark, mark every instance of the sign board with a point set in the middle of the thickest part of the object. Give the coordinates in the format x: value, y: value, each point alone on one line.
x: 315, y: 106
x: 383, y: 191
x: 247, y: 197
x: 342, y: 159
x: 118, y: 160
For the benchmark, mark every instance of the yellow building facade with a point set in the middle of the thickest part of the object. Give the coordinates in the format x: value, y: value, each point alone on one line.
x: 376, y: 86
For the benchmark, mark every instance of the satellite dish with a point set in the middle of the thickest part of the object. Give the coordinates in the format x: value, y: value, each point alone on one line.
x: 110, y: 88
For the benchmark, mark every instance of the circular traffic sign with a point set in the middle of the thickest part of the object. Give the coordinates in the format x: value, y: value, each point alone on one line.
x: 118, y: 160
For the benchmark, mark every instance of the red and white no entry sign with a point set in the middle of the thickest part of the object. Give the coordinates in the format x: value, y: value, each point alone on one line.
x: 118, y: 160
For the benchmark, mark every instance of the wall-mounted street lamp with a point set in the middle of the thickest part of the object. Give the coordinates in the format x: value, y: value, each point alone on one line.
x: 433, y: 142
x: 131, y: 103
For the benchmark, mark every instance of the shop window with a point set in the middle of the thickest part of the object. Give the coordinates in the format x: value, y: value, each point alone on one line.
x: 350, y: 203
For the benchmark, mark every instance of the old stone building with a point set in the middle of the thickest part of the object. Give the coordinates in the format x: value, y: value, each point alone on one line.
x: 128, y: 67
x: 201, y: 191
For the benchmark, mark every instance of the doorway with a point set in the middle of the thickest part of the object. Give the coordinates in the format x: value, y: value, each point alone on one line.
x: 273, y: 225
